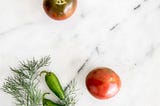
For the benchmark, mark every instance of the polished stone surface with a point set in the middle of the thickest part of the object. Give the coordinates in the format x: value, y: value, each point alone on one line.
x: 120, y: 34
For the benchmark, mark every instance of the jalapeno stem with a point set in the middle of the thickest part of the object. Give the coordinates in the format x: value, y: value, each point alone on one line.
x: 42, y: 72
x: 43, y: 96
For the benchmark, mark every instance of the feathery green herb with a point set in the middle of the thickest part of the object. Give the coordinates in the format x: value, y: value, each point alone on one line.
x: 23, y: 84
x: 70, y: 94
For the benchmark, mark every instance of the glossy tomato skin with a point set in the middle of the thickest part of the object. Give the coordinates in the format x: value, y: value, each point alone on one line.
x: 59, y: 9
x: 103, y: 83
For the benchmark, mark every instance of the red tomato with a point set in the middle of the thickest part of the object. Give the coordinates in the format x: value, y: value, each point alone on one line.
x: 59, y: 9
x: 103, y: 83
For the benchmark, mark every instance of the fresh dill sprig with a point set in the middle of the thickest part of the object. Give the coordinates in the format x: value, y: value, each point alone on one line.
x: 23, y: 84
x: 70, y: 94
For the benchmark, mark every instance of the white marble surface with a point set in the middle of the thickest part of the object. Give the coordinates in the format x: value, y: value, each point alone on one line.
x: 121, y: 34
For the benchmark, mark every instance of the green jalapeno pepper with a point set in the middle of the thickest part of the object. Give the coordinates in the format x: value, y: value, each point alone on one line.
x: 47, y: 102
x: 54, y: 84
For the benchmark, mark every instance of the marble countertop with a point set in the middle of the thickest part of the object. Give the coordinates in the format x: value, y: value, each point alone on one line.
x: 120, y: 34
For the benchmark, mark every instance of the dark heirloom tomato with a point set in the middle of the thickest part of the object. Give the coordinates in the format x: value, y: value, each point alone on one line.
x: 59, y: 9
x: 103, y: 83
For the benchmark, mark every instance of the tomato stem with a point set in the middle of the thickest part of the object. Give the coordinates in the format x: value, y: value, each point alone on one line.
x: 60, y: 2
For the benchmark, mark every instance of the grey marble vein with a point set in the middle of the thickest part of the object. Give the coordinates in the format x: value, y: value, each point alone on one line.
x: 113, y: 27
x: 87, y: 60
x: 3, y: 33
x: 137, y: 7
